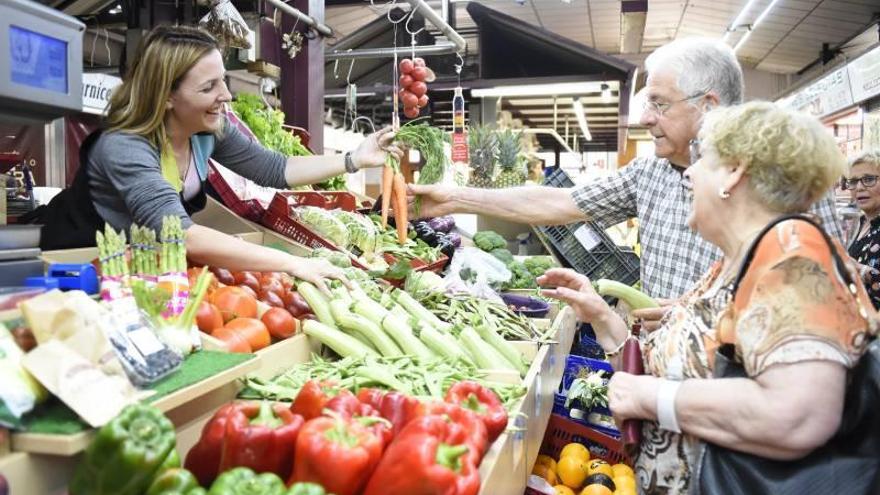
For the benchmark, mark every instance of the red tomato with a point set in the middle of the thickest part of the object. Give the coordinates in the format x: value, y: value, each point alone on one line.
x: 208, y: 317
x: 234, y: 302
x: 419, y: 89
x: 253, y: 330
x: 280, y: 323
x: 406, y: 66
x: 411, y: 112
x: 405, y: 81
x: 419, y: 74
x: 423, y: 101
x: 409, y: 99
x: 296, y: 304
x: 309, y: 316
x: 235, y: 342
x: 419, y: 62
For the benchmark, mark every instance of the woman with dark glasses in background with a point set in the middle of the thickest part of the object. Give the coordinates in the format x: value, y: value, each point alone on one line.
x: 865, y: 247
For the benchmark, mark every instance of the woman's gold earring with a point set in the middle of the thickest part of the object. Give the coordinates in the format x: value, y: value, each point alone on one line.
x: 723, y: 194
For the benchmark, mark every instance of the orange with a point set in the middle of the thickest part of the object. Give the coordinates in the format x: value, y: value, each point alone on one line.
x: 563, y: 490
x: 596, y: 490
x: 545, y: 472
x: 625, y: 491
x: 572, y: 471
x: 547, y: 461
x: 623, y: 470
x: 599, y: 466
x: 577, y: 450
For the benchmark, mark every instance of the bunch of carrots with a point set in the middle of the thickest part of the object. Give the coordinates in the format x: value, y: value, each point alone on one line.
x: 394, y: 188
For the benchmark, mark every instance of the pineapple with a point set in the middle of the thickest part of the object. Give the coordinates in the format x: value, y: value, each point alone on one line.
x: 482, y: 146
x: 513, y: 165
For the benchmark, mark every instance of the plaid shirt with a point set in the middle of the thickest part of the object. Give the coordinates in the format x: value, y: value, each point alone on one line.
x: 674, y: 257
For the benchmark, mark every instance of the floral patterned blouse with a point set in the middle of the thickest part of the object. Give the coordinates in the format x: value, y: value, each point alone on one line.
x: 866, y: 250
x: 789, y: 310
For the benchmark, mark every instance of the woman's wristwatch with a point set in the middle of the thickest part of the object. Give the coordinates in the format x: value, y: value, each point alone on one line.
x: 350, y: 167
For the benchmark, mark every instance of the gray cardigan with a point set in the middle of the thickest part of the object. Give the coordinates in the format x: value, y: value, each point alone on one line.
x: 127, y: 186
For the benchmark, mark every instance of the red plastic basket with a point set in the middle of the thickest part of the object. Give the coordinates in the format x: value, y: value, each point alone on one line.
x: 562, y: 431
x: 328, y: 200
x: 250, y: 209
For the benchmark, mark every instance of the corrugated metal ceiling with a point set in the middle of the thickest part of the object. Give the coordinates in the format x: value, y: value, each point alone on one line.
x: 788, y: 39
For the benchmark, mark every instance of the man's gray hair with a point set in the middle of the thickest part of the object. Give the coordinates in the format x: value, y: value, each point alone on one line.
x: 701, y: 65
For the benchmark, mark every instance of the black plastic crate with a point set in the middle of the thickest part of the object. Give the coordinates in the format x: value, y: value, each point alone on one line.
x: 585, y: 247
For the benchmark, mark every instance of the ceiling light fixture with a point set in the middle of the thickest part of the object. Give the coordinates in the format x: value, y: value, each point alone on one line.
x: 738, y: 22
x: 754, y: 25
x: 537, y: 90
x: 606, y: 92
x: 581, y: 118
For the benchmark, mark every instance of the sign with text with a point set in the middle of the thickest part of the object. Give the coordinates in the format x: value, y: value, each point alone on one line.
x: 96, y: 91
x: 864, y: 75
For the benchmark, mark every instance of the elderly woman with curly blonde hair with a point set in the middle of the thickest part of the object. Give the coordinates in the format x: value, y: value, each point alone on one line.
x: 795, y: 327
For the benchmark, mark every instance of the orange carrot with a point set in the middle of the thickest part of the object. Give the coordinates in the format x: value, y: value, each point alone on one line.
x: 400, y: 207
x: 387, y: 183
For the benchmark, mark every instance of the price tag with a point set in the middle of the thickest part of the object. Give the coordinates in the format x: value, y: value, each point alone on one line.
x: 145, y: 341
x: 459, y: 148
x: 587, y: 237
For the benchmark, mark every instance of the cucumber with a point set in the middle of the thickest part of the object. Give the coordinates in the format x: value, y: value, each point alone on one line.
x: 633, y: 298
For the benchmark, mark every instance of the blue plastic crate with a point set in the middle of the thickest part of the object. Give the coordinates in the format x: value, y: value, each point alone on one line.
x: 574, y: 365
x: 585, y: 343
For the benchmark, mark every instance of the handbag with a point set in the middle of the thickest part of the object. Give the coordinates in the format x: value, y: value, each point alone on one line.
x: 848, y: 463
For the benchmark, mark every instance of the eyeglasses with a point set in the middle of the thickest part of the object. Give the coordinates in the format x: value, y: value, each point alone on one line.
x: 661, y: 108
x: 866, y: 180
x: 694, y: 149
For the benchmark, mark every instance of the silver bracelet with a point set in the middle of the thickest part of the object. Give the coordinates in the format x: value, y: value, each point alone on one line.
x: 349, y: 163
x: 616, y: 351
x: 666, y: 416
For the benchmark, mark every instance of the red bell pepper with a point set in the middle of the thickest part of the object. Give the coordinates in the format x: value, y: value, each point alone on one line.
x: 482, y: 401
x: 396, y: 407
x: 312, y: 399
x: 472, y: 427
x: 258, y: 435
x: 337, y: 453
x: 427, y: 458
x: 348, y: 406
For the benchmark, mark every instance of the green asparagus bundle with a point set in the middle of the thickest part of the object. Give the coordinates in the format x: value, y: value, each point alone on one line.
x: 115, y: 282
x: 172, y: 266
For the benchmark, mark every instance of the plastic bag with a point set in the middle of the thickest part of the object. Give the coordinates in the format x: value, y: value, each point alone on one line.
x: 477, y: 272
x: 227, y: 25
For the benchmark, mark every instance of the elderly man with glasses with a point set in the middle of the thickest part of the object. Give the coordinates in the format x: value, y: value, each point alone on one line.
x: 686, y: 78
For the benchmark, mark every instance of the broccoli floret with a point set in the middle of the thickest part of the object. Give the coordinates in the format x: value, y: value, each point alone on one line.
x: 521, y: 278
x: 487, y: 240
x: 537, y: 265
x: 504, y: 255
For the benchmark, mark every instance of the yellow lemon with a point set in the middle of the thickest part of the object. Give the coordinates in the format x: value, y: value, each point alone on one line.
x: 545, y: 472
x: 547, y: 461
x: 563, y: 490
x: 577, y: 450
x: 596, y: 490
x: 597, y: 466
x: 622, y: 470
x: 625, y: 482
x: 572, y: 471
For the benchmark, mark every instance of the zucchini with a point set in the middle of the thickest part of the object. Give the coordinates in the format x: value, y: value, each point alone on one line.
x: 485, y: 355
x: 362, y: 326
x: 633, y: 297
x: 318, y: 303
x: 341, y: 343
x: 442, y: 344
x: 416, y: 309
x: 403, y: 334
x: 505, y: 348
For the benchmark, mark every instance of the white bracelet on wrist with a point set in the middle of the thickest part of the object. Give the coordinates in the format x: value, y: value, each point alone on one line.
x: 666, y: 416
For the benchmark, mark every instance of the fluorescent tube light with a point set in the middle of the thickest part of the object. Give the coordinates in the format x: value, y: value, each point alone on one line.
x: 754, y: 25
x: 537, y: 90
x: 581, y: 118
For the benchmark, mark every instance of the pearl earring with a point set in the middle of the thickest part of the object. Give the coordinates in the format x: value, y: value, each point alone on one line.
x: 723, y: 194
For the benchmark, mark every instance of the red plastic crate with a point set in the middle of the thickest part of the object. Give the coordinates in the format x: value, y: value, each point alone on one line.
x: 328, y: 200
x: 562, y: 431
x: 250, y: 209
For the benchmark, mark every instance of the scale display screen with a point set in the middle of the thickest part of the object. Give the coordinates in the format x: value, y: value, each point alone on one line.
x: 37, y: 60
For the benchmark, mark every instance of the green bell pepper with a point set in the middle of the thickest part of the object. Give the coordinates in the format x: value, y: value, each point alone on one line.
x: 306, y: 489
x: 243, y: 481
x: 126, y: 454
x: 175, y: 481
